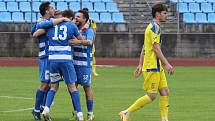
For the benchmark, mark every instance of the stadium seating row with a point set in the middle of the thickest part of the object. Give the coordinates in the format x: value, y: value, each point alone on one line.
x: 199, y: 18
x: 196, y: 7
x: 190, y: 1
x: 75, y: 6
x: 22, y: 17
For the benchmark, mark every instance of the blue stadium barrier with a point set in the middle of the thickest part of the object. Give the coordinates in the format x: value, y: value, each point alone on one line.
x: 22, y: 1
x: 200, y: 1
x: 201, y: 18
x: 188, y: 18
x: 107, y: 0
x: 8, y: 0
x: 5, y: 17
x: 118, y: 18
x: 99, y: 7
x: 188, y: 1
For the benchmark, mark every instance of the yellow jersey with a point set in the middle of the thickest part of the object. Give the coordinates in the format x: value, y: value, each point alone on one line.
x: 152, y: 35
x: 92, y: 23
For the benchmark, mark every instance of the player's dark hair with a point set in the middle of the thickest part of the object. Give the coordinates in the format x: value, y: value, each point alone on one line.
x: 44, y: 6
x: 158, y: 8
x: 86, y: 9
x: 68, y: 13
x: 58, y: 12
x: 85, y: 13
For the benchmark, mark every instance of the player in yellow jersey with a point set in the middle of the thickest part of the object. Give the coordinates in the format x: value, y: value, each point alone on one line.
x: 92, y: 24
x: 150, y: 64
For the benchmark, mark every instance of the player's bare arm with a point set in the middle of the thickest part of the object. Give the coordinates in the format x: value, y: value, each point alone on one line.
x: 39, y: 32
x: 138, y: 70
x: 159, y: 54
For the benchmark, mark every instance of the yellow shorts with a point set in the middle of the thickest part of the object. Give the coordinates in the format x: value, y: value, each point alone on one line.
x: 153, y: 81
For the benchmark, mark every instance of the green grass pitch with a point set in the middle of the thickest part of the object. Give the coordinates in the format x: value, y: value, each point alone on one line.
x: 191, y: 95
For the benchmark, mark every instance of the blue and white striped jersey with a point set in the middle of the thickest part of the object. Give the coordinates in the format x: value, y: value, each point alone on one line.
x: 83, y: 54
x: 59, y: 36
x: 43, y: 40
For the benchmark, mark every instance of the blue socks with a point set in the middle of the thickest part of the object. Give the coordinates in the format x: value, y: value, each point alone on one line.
x: 90, y: 105
x: 76, y: 101
x: 45, y: 95
x: 50, y: 98
x: 39, y: 99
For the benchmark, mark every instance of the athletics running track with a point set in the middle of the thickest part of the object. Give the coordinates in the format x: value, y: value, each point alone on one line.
x: 15, y: 61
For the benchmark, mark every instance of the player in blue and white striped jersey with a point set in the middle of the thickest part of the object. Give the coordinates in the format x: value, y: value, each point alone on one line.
x: 47, y: 11
x: 60, y: 58
x: 82, y: 59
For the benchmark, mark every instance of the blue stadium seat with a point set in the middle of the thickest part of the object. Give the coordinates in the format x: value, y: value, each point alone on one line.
x: 182, y: 7
x: 2, y: 6
x: 211, y: 17
x: 38, y: 16
x: 211, y: 1
x: 118, y: 17
x: 35, y: 6
x: 111, y: 7
x: 28, y: 17
x: 75, y: 6
x: 58, y: 1
x: 12, y: 6
x: 176, y: 1
x: 99, y: 7
x: 25, y: 6
x: 200, y: 1
x: 8, y: 0
x: 188, y: 1
x: 21, y: 0
x: 201, y: 18
x: 88, y: 5
x: 107, y: 0
x: 206, y: 7
x: 194, y: 7
x: 96, y: 0
x: 214, y: 7
x: 188, y: 18
x: 95, y: 16
x: 5, y: 17
x: 17, y: 17
x: 62, y: 6
x: 34, y: 0
x: 105, y: 18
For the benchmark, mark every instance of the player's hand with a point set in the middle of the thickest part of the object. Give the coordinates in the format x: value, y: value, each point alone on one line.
x: 138, y: 71
x: 169, y: 68
x: 74, y: 41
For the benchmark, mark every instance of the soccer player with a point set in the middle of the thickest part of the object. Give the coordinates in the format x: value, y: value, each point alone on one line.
x: 82, y: 59
x: 60, y: 58
x: 47, y: 11
x: 92, y: 24
x: 150, y: 64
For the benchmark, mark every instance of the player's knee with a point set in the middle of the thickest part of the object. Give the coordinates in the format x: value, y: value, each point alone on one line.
x: 44, y: 86
x: 152, y: 96
x: 164, y: 92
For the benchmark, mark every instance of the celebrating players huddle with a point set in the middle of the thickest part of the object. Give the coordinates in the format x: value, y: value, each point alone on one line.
x: 65, y: 54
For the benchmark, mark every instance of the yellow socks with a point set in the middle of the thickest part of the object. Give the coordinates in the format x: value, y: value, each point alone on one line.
x: 142, y: 101
x: 164, y: 105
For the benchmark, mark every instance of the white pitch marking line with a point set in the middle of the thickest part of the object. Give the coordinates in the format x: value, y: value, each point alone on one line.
x: 11, y: 97
x: 17, y: 110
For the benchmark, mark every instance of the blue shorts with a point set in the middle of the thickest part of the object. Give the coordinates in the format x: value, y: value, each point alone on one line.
x: 44, y: 70
x: 83, y: 75
x: 62, y: 69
